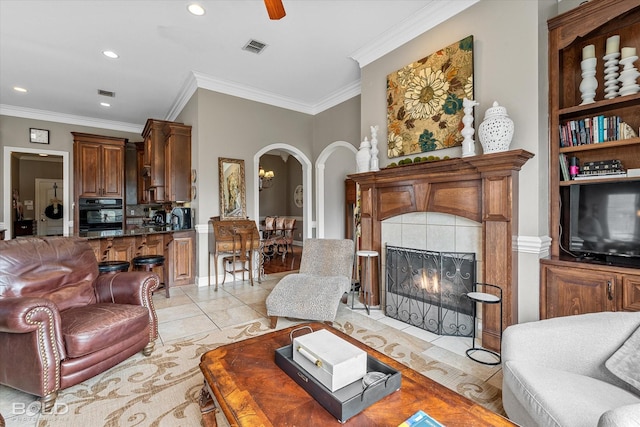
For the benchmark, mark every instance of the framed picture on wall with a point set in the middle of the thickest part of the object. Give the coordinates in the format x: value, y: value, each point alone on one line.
x: 38, y: 136
x: 232, y: 189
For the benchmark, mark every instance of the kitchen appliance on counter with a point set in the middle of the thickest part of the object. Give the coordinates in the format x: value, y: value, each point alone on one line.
x: 181, y: 218
x: 100, y: 215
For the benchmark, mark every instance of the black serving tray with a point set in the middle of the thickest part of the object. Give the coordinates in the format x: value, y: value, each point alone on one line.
x: 349, y: 400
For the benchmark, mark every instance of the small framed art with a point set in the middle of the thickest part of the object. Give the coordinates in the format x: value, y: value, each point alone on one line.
x: 38, y: 136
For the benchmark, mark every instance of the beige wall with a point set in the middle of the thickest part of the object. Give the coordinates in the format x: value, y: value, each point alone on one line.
x: 509, y: 67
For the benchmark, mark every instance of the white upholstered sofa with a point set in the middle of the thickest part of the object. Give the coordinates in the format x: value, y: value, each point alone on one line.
x: 581, y: 371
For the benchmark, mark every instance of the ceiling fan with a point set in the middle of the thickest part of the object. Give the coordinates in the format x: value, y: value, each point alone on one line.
x: 275, y: 9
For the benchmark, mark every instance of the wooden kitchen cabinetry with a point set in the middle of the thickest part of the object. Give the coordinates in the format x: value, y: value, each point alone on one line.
x: 177, y: 154
x: 166, y: 162
x: 569, y: 289
x: 154, y: 160
x: 568, y: 285
x: 182, y: 263
x: 98, y: 166
x: 178, y: 248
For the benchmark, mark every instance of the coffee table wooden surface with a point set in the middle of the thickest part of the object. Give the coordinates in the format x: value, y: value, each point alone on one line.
x: 252, y: 390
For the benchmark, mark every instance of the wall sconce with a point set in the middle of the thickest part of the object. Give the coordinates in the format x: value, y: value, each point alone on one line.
x: 266, y: 178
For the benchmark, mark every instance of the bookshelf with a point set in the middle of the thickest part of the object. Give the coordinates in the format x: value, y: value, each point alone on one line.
x: 569, y: 285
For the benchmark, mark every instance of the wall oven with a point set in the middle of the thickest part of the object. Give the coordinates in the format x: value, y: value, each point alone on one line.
x: 100, y: 215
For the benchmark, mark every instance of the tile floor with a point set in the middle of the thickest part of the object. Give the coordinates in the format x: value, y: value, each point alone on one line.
x: 193, y: 310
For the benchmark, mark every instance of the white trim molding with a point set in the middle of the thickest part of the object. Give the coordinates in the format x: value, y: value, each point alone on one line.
x: 533, y: 245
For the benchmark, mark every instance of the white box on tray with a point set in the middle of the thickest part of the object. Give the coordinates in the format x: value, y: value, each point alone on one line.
x: 331, y: 360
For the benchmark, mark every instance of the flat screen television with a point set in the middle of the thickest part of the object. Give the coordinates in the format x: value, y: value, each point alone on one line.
x: 605, y: 221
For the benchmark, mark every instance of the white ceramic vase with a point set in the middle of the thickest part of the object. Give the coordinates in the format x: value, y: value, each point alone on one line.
x: 363, y: 156
x: 496, y: 130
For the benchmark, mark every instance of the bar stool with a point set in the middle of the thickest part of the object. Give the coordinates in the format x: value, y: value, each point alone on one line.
x: 147, y: 263
x: 366, y: 279
x: 485, y: 298
x: 108, y: 267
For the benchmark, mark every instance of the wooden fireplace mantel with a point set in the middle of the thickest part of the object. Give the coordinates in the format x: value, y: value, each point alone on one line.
x: 482, y: 188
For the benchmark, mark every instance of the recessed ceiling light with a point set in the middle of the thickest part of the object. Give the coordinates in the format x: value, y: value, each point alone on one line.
x: 196, y: 9
x: 43, y: 155
x: 105, y: 104
x: 19, y: 89
x: 110, y: 54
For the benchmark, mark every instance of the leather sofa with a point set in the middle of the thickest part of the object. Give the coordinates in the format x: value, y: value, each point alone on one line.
x: 61, y: 322
x: 567, y: 371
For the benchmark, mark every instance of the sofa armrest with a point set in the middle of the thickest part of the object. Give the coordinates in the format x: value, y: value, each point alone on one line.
x: 134, y: 287
x: 628, y: 415
x: 22, y: 314
x: 579, y: 344
x: 30, y: 326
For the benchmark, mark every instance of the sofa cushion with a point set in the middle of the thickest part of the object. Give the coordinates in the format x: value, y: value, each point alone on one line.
x: 90, y: 328
x: 559, y: 398
x: 625, y: 362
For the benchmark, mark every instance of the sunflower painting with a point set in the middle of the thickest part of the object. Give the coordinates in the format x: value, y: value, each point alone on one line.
x: 424, y: 101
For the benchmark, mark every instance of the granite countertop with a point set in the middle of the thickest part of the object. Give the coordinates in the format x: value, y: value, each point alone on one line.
x: 137, y: 231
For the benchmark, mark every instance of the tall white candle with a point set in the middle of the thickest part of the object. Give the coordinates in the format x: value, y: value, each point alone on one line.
x: 588, y: 52
x: 628, y: 51
x: 613, y: 44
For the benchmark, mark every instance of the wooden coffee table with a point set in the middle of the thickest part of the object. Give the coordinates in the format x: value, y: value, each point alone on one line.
x: 251, y: 390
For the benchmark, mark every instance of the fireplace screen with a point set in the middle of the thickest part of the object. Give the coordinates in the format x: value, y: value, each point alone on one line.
x: 428, y: 289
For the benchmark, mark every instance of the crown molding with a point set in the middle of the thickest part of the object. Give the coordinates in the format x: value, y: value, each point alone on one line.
x: 434, y: 13
x: 189, y: 87
x: 346, y: 93
x: 205, y: 81
x: 533, y: 245
x: 52, y: 116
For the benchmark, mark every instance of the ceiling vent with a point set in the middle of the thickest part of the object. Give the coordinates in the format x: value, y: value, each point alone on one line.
x: 254, y: 46
x: 106, y: 93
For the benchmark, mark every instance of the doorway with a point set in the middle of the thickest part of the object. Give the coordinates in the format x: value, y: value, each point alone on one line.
x: 11, y: 179
x: 48, y: 209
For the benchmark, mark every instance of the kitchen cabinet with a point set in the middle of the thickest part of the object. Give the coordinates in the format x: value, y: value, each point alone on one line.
x: 182, y: 252
x: 177, y: 154
x: 98, y: 166
x: 117, y: 249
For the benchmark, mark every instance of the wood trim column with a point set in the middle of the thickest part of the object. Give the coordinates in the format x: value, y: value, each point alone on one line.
x: 482, y: 188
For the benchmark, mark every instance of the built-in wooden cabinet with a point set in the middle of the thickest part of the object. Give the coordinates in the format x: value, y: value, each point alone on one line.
x: 569, y: 286
x: 166, y: 162
x: 98, y: 166
x: 178, y: 248
x: 177, y: 154
x: 182, y: 257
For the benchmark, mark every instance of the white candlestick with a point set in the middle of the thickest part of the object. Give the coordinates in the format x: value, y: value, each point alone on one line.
x: 588, y: 52
x: 628, y: 51
x: 613, y: 44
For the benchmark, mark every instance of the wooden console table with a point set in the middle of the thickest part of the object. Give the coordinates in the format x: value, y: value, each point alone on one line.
x: 251, y: 390
x: 227, y: 237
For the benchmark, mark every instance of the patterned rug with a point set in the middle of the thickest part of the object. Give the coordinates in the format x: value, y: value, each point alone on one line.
x: 163, y: 389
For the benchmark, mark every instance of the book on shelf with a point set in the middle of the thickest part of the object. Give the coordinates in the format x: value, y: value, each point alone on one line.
x: 564, y: 167
x: 590, y: 130
x: 610, y: 175
x: 420, y: 419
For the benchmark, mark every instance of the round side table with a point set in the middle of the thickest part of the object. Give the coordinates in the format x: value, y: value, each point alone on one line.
x: 485, y: 298
x: 366, y: 281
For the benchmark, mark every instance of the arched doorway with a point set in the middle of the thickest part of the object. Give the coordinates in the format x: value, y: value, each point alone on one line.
x: 338, y: 170
x: 308, y: 223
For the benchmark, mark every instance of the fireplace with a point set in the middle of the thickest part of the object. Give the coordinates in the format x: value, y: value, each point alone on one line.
x: 427, y: 289
x: 481, y: 188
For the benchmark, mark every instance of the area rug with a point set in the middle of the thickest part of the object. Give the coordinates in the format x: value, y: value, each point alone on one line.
x: 163, y: 389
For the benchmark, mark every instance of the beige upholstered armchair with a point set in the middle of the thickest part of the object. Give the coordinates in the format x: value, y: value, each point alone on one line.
x: 315, y: 292
x: 62, y: 323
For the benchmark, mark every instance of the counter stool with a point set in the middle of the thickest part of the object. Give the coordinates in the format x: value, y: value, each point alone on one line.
x: 147, y: 262
x: 485, y: 298
x: 108, y: 267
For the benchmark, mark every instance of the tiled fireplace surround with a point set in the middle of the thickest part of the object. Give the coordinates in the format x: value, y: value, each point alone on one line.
x: 461, y: 204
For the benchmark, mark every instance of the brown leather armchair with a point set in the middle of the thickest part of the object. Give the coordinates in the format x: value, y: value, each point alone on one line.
x: 62, y: 323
